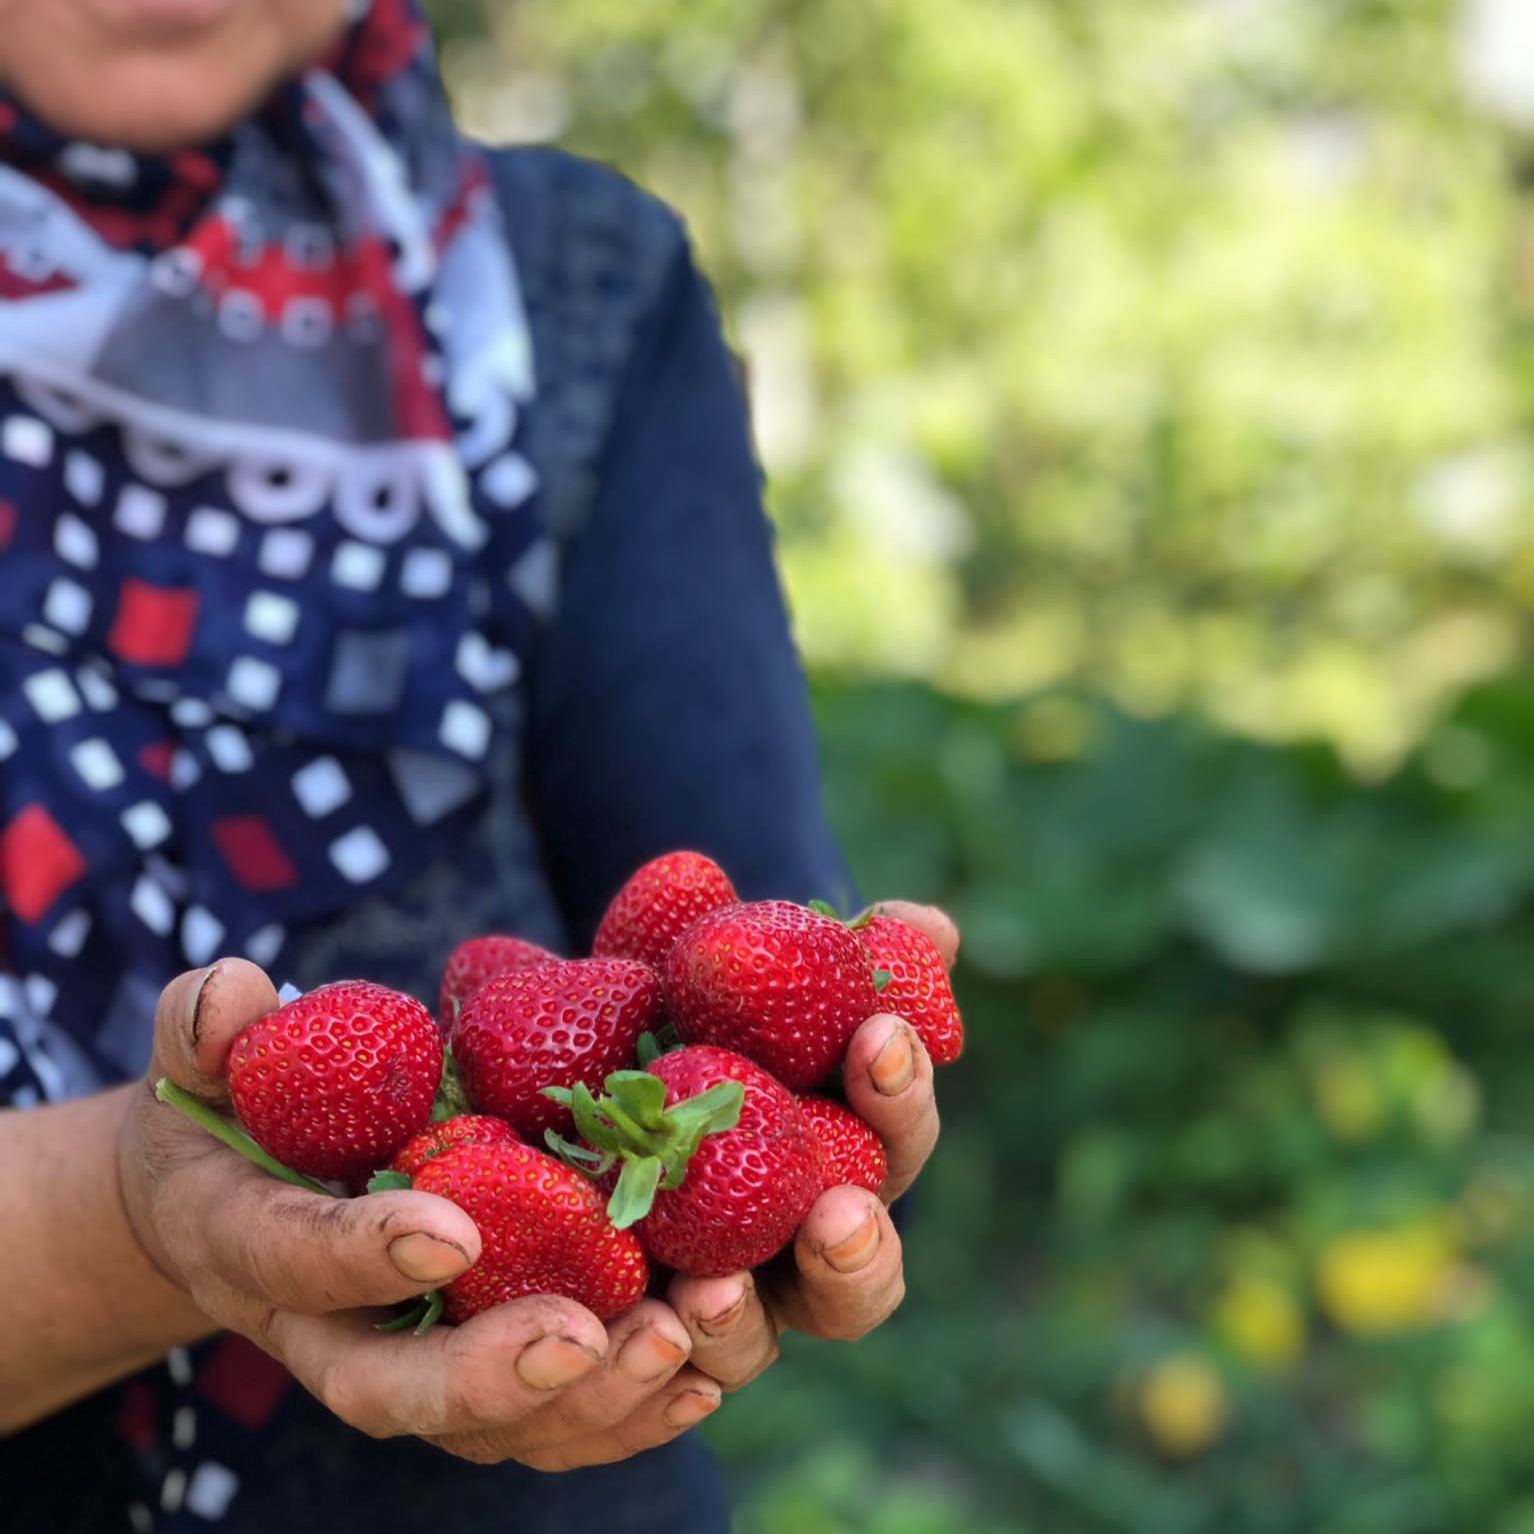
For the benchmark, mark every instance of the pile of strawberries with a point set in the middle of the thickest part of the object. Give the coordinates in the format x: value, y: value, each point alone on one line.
x: 544, y: 1101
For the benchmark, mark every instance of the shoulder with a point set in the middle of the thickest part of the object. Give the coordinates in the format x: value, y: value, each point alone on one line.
x: 582, y: 230
x: 597, y: 257
x: 553, y: 199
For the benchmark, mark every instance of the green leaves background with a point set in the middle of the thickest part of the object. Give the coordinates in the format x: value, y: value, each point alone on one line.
x: 1164, y: 365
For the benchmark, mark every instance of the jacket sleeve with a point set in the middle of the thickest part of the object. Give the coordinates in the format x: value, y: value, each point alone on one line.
x: 668, y: 708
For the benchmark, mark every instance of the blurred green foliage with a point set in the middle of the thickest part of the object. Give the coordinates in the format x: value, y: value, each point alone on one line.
x: 1176, y: 346
x: 1233, y: 1222
x: 1167, y: 363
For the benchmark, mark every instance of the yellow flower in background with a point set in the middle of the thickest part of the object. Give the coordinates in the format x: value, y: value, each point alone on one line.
x: 1376, y: 1282
x: 1183, y: 1405
x: 1348, y: 1098
x: 1260, y: 1320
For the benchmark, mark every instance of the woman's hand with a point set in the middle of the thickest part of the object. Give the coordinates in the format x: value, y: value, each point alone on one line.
x: 540, y: 1381
x: 845, y: 1277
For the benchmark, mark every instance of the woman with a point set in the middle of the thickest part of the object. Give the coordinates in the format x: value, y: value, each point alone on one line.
x: 381, y: 562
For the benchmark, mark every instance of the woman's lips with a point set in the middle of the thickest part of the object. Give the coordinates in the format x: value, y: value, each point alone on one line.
x: 166, y: 19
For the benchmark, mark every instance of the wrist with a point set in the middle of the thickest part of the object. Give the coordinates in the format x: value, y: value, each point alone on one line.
x: 86, y: 1300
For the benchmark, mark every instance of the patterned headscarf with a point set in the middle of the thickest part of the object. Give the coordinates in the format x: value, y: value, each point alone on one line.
x: 266, y: 538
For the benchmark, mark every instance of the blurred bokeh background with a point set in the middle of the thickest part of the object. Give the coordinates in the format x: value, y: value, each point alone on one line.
x: 1147, y: 389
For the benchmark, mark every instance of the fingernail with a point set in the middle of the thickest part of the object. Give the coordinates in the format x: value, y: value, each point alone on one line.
x: 855, y: 1251
x: 647, y: 1356
x: 424, y: 1259
x: 894, y: 1068
x: 690, y: 1408
x: 194, y: 1007
x: 554, y: 1362
x: 721, y: 1322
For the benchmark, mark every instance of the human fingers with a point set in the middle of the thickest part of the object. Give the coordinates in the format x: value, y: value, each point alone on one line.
x: 887, y: 1076
x: 937, y: 924
x: 687, y: 1399
x: 647, y: 1348
x: 217, y: 1216
x: 491, y: 1376
x: 847, y: 1276
x: 523, y: 1381
x: 198, y: 1017
x: 210, y: 1218
x: 734, y: 1336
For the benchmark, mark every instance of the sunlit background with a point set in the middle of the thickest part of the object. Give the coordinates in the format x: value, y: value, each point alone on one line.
x: 1147, y: 390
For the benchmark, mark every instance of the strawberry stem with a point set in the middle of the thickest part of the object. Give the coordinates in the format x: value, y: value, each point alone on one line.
x: 419, y: 1316
x: 450, y: 1100
x: 232, y: 1135
x: 625, y: 1125
x: 578, y: 1158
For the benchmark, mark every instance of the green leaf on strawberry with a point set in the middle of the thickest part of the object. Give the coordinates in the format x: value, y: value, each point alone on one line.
x: 632, y: 1126
x: 389, y: 1182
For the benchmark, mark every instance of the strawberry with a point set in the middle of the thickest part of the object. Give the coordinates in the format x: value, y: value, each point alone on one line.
x: 854, y: 1154
x: 775, y: 981
x: 658, y: 904
x: 472, y: 963
x: 918, y: 988
x: 462, y: 1129
x: 747, y: 1188
x: 335, y: 1082
x: 553, y: 1025
x: 544, y: 1230
x: 719, y: 1163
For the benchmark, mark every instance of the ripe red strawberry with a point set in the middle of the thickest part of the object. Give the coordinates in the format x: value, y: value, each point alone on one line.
x: 335, y: 1082
x: 472, y: 963
x: 746, y: 1189
x: 658, y: 904
x: 775, y: 981
x: 544, y: 1229
x: 918, y: 988
x: 551, y: 1026
x: 720, y: 1164
x: 854, y: 1154
x: 462, y: 1129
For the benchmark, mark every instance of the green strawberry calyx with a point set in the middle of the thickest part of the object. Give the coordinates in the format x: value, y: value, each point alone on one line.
x: 657, y: 1042
x: 631, y: 1127
x: 882, y: 977
x: 422, y: 1313
x: 854, y: 923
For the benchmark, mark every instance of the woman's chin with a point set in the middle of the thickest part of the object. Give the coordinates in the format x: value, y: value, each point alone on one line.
x: 155, y: 75
x: 146, y: 114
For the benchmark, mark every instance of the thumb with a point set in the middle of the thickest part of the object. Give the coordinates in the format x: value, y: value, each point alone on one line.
x: 938, y: 925
x: 198, y: 1018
